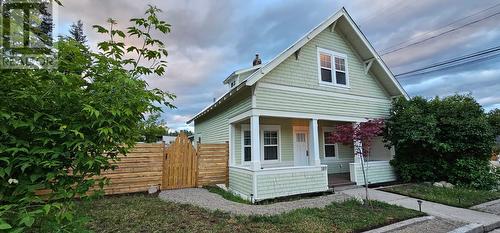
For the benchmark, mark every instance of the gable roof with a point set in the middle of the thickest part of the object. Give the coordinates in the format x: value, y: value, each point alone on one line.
x: 358, y: 40
x: 342, y: 20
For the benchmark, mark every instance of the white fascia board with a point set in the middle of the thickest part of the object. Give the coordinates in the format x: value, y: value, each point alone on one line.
x: 217, y: 102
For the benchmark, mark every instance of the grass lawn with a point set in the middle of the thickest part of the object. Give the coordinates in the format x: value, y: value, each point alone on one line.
x: 459, y: 197
x: 141, y: 213
x: 226, y: 195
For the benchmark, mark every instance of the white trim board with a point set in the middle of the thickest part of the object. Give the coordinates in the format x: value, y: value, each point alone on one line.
x: 298, y: 115
x: 273, y: 113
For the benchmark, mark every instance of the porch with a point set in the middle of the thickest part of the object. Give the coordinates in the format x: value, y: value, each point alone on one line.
x: 280, y: 156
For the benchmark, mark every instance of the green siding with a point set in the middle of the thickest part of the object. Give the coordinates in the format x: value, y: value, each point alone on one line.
x: 291, y: 182
x: 214, y: 127
x: 241, y: 182
x: 303, y: 73
x: 376, y: 172
x: 281, y: 100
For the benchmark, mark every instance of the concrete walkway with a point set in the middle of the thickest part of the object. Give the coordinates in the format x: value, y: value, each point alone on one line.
x: 205, y: 199
x: 489, y: 207
x: 421, y: 224
x: 487, y: 220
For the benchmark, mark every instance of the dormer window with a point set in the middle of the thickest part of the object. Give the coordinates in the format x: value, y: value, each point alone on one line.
x: 233, y: 83
x: 332, y: 68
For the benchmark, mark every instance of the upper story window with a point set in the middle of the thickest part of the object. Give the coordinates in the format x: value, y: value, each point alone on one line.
x: 333, y: 68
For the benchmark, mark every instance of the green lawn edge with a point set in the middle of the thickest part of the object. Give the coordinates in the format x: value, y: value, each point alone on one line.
x: 457, y: 196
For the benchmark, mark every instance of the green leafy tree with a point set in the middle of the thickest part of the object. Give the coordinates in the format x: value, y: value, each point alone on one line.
x: 60, y: 128
x: 176, y: 133
x: 152, y: 129
x: 76, y: 32
x: 431, y: 135
x: 494, y: 120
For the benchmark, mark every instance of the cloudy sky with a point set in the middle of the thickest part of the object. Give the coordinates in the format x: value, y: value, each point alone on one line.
x: 212, y: 38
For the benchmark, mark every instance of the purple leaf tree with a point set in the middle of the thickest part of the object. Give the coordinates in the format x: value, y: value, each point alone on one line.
x: 362, y: 135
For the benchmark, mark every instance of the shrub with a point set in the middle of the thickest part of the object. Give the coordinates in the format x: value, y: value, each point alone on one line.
x: 474, y: 173
x: 420, y: 168
x: 60, y: 128
x: 431, y: 135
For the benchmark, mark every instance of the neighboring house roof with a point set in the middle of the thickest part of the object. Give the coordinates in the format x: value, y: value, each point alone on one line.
x: 358, y: 40
x: 242, y: 71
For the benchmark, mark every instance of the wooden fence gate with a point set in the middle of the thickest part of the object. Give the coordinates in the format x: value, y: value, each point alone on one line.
x: 180, y: 166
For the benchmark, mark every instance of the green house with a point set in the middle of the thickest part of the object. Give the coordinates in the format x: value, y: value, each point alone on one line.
x: 277, y: 117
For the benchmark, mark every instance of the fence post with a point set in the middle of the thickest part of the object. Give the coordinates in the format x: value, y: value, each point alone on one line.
x: 198, y: 146
x: 227, y: 164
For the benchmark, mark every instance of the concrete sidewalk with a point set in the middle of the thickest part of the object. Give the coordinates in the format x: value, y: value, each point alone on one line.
x: 487, y: 220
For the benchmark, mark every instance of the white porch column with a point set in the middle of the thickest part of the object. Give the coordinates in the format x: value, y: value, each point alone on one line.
x: 314, y: 142
x: 255, y: 137
x: 358, y: 147
x: 232, y: 131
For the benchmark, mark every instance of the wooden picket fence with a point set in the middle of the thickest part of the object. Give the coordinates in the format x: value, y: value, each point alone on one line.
x: 139, y: 170
x: 136, y: 172
x: 175, y: 166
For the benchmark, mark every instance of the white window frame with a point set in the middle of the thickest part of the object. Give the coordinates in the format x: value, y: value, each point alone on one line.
x: 333, y: 54
x: 329, y: 130
x: 269, y: 128
x: 243, y: 129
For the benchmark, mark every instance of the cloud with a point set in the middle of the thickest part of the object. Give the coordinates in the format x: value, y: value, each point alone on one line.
x: 210, y: 39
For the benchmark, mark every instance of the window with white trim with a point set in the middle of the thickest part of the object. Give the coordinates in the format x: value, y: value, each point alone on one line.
x: 271, y: 147
x: 247, y: 146
x: 329, y: 146
x: 333, y: 68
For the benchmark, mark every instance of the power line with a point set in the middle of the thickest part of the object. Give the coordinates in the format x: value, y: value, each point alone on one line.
x: 470, y: 58
x: 445, y: 26
x: 453, y: 66
x: 443, y: 33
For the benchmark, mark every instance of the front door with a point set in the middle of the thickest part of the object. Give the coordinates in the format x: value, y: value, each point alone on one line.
x: 301, y: 147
